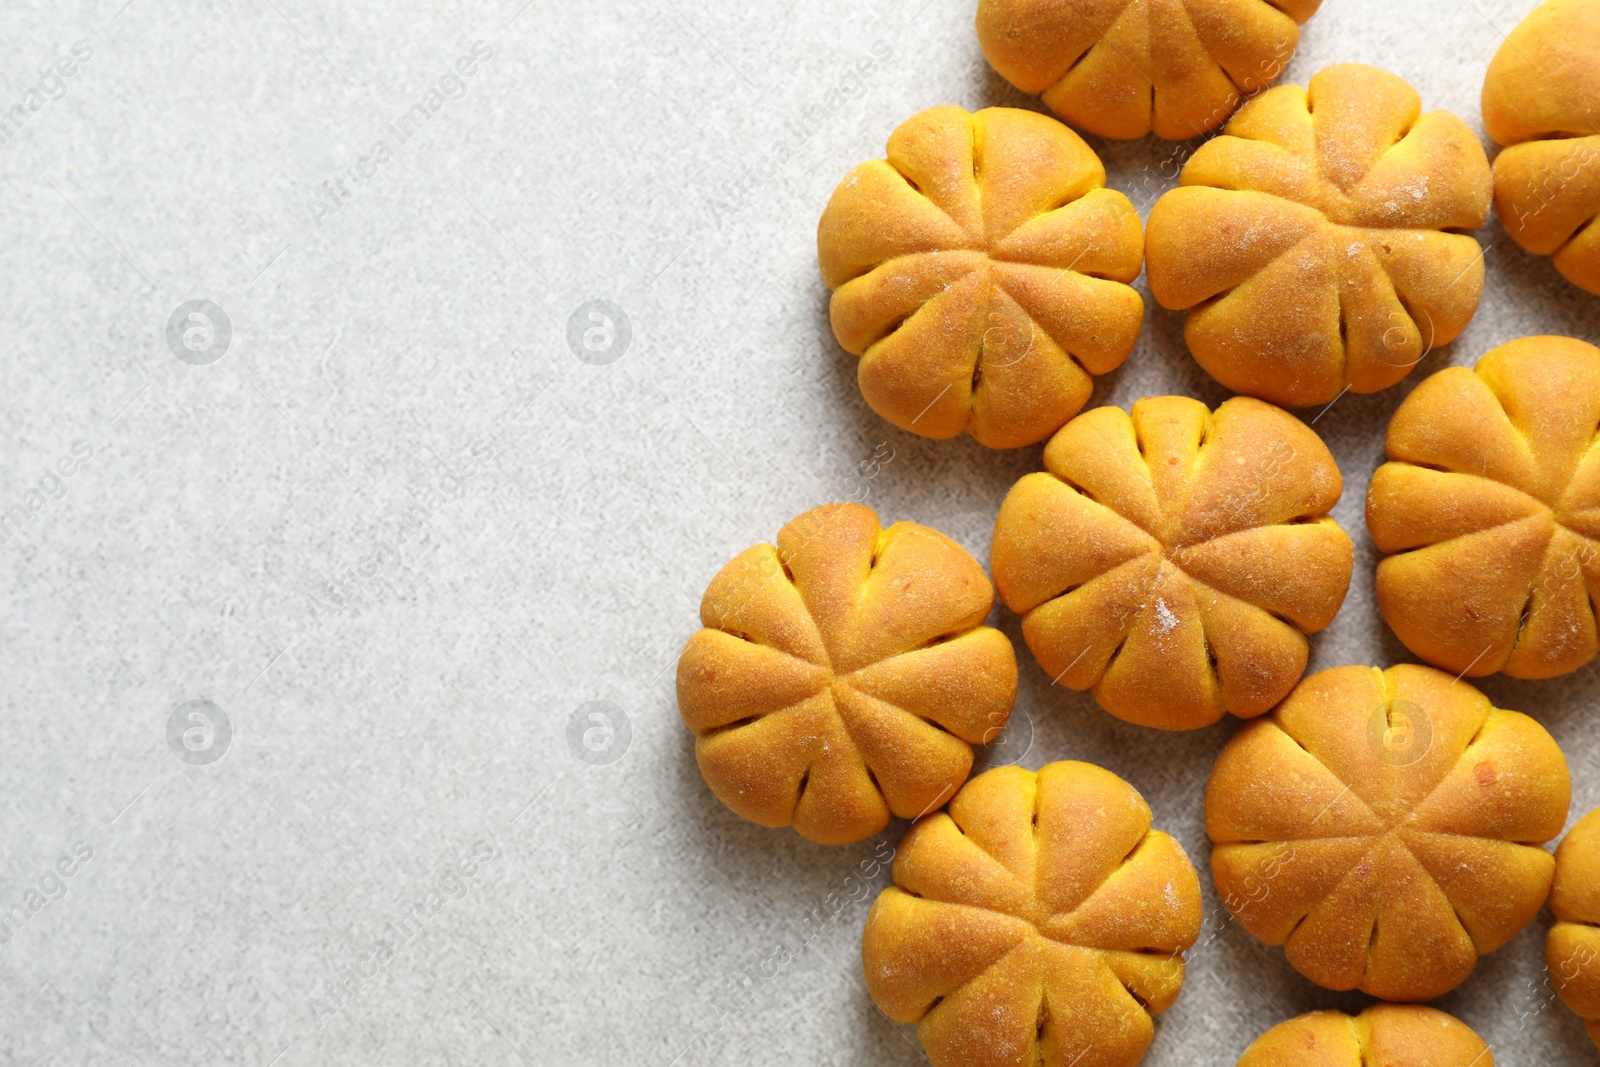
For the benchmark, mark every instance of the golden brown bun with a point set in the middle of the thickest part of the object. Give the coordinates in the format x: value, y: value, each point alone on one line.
x: 1120, y: 68
x: 844, y: 675
x: 1572, y: 951
x: 1542, y: 98
x: 1491, y: 502
x: 1307, y: 242
x: 1385, y: 828
x: 980, y: 273
x: 1174, y: 559
x: 1039, y: 921
x: 1385, y: 1035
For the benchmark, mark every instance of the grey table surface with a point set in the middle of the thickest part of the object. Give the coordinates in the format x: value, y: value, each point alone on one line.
x: 397, y: 536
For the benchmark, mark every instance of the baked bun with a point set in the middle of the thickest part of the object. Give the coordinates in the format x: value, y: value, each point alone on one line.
x: 1542, y: 99
x: 1040, y: 921
x: 1385, y: 1035
x: 1308, y: 243
x: 1174, y: 559
x: 844, y: 675
x: 1572, y: 950
x: 1121, y: 69
x: 980, y: 272
x: 1385, y: 828
x: 1490, y: 506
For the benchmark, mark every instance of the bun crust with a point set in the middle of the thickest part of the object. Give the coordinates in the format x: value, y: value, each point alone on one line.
x: 1572, y: 949
x: 1309, y: 243
x: 844, y: 675
x: 1385, y: 1035
x: 1174, y: 559
x: 1541, y: 98
x: 981, y: 273
x: 1386, y: 827
x: 1040, y: 920
x: 1121, y: 68
x: 1490, y: 508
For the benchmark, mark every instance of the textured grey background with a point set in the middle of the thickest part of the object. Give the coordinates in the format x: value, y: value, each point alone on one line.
x: 406, y: 355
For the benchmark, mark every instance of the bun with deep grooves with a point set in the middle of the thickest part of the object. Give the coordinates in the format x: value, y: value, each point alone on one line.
x: 1311, y: 244
x: 981, y: 273
x: 844, y: 675
x: 1541, y: 99
x: 1490, y: 509
x: 1040, y: 921
x: 1386, y: 828
x: 1174, y: 559
x: 1121, y: 68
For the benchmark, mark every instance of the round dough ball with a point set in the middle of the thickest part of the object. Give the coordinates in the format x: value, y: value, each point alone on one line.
x: 1040, y: 921
x: 980, y: 272
x: 1309, y: 242
x: 1490, y: 508
x: 1385, y: 1035
x: 1385, y: 828
x: 1572, y: 950
x: 1541, y: 98
x: 844, y: 675
x: 1121, y: 68
x: 1174, y: 559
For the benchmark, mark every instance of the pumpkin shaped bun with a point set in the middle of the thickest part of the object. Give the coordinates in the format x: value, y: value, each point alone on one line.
x: 844, y: 675
x: 1121, y: 68
x: 1039, y: 921
x: 1541, y: 99
x: 1490, y: 508
x: 1173, y: 559
x: 1385, y: 1035
x: 1386, y: 828
x: 1572, y: 949
x: 981, y: 273
x: 1310, y: 244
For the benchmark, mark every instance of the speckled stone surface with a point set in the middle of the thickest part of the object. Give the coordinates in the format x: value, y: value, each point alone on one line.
x: 394, y: 535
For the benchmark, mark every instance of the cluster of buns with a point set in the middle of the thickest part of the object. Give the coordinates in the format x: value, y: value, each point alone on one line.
x: 1387, y: 828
